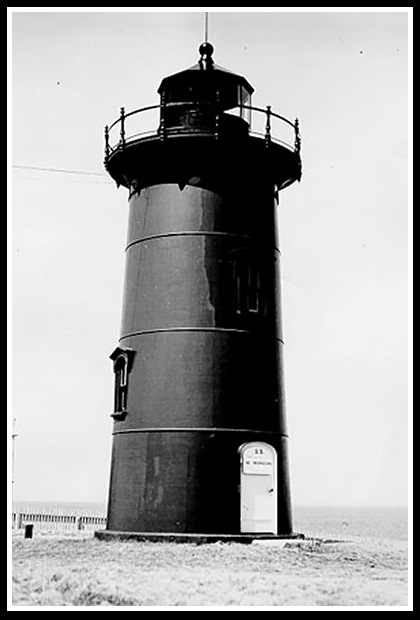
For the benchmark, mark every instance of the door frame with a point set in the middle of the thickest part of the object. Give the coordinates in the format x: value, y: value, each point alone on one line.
x: 262, y: 473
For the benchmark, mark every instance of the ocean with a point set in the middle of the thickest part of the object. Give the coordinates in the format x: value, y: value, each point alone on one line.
x: 385, y: 522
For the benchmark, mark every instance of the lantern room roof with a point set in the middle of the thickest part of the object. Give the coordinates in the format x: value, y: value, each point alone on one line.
x: 205, y: 72
x: 218, y: 75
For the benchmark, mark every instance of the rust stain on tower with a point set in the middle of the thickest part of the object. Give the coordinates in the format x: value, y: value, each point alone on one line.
x: 199, y: 438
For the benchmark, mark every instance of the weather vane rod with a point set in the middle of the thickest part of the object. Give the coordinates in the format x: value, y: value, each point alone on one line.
x: 206, y: 27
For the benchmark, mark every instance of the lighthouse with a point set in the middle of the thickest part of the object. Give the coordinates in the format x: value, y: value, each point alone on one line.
x: 199, y: 441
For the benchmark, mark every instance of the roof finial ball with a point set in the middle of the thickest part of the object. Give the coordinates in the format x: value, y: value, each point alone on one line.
x: 206, y: 50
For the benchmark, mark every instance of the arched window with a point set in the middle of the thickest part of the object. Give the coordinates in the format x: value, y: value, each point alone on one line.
x: 122, y: 359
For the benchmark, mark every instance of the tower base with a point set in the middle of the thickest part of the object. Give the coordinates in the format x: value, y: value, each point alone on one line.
x: 198, y: 539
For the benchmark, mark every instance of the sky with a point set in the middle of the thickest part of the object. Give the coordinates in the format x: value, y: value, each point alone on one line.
x: 344, y: 234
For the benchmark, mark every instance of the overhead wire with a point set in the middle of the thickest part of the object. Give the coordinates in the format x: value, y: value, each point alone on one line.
x: 99, y: 174
x: 66, y: 171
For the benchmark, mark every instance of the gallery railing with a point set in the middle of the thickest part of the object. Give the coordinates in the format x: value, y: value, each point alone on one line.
x: 263, y: 123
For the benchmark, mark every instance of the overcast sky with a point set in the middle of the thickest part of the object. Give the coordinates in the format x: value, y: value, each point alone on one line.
x: 343, y: 235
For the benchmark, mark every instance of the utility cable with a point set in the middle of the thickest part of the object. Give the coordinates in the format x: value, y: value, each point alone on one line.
x: 95, y: 174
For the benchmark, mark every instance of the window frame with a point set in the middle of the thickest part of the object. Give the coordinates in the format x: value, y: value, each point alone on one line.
x: 122, y: 363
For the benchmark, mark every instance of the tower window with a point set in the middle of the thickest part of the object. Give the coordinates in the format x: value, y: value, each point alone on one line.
x: 120, y: 396
x: 253, y: 301
x: 122, y: 359
x: 249, y: 296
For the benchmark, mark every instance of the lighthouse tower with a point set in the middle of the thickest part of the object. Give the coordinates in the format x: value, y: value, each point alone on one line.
x: 199, y: 436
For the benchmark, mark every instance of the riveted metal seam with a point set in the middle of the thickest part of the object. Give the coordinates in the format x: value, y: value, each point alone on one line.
x: 188, y: 233
x: 210, y: 429
x: 185, y: 329
x: 193, y: 234
x: 222, y: 330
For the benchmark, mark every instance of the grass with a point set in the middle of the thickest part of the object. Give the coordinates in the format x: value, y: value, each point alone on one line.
x: 77, y: 570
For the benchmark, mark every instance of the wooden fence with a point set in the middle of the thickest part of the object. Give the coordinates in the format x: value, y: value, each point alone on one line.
x: 52, y: 519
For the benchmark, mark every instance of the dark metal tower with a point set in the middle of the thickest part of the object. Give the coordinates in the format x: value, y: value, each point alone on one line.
x: 198, y: 368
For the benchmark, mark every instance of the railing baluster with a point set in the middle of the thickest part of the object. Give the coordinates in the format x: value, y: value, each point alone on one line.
x: 122, y: 132
x: 106, y: 145
x: 268, y: 126
x: 297, y: 136
x: 217, y: 117
x: 162, y: 127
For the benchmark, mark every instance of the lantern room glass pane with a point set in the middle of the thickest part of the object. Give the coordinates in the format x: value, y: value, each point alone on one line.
x: 244, y: 99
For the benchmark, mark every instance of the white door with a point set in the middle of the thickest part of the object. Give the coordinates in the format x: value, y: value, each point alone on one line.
x: 258, y: 488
